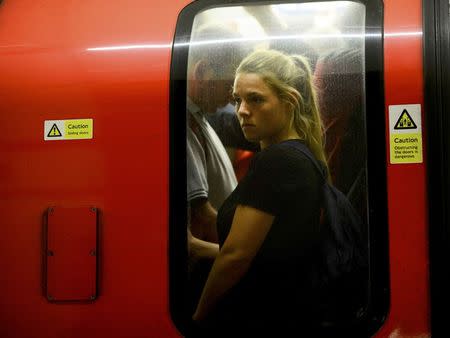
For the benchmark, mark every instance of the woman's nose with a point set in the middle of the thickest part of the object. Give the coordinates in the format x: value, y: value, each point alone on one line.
x: 243, y: 109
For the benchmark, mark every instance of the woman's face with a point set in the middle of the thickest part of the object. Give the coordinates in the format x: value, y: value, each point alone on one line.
x: 263, y: 116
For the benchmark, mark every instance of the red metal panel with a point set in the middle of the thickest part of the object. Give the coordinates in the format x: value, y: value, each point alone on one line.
x: 408, y: 229
x: 49, y: 71
x: 71, y: 254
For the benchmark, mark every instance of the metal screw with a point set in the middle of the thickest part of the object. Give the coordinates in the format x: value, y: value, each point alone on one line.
x: 93, y: 209
x: 92, y: 297
x: 49, y: 297
x: 50, y: 210
x: 93, y: 253
x: 50, y: 253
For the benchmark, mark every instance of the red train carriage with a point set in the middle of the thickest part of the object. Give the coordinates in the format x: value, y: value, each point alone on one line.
x: 93, y: 154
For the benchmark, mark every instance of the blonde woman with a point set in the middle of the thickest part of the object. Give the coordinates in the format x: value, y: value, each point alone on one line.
x: 261, y: 281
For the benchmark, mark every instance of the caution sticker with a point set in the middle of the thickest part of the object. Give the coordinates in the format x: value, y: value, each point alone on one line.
x: 405, y: 128
x: 57, y: 130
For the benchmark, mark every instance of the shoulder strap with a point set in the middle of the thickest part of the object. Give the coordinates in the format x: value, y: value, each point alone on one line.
x: 305, y: 150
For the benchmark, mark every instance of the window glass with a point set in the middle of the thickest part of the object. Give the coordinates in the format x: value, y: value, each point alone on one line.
x: 230, y: 164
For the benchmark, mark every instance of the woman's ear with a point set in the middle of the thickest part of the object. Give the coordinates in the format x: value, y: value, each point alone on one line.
x: 288, y: 108
x: 290, y: 111
x: 201, y: 70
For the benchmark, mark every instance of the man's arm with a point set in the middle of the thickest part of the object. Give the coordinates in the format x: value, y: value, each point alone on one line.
x: 203, y: 218
x: 202, y: 233
x: 199, y: 249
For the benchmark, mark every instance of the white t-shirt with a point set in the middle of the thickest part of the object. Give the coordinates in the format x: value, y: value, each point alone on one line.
x: 210, y: 173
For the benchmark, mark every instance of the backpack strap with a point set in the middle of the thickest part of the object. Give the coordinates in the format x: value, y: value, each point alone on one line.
x: 355, y: 184
x: 305, y: 150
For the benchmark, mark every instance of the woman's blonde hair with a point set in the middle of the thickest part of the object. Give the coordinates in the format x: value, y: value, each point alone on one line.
x: 289, y: 76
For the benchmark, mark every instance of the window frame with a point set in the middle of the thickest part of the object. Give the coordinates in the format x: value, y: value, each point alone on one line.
x: 379, y: 298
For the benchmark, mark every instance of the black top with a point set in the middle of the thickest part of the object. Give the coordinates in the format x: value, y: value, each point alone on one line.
x: 283, y: 182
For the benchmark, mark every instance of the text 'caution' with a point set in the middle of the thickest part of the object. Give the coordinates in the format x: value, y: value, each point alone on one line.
x: 58, y: 130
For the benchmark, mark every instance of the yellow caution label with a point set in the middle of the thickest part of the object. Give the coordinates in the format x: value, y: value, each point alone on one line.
x: 78, y: 129
x: 405, y: 130
x: 59, y: 130
x: 406, y: 148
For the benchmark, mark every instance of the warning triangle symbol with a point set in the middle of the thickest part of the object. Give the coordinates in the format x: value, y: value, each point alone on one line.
x: 405, y: 121
x: 54, y: 132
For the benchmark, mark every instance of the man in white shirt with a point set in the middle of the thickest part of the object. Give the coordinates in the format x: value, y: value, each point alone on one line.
x: 213, y: 56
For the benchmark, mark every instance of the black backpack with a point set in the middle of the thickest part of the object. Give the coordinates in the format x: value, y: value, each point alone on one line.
x: 340, y: 276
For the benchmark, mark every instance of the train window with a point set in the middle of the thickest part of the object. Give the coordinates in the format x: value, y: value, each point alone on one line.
x: 252, y: 85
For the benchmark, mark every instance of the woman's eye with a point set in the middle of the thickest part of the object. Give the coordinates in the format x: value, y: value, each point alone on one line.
x: 257, y: 99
